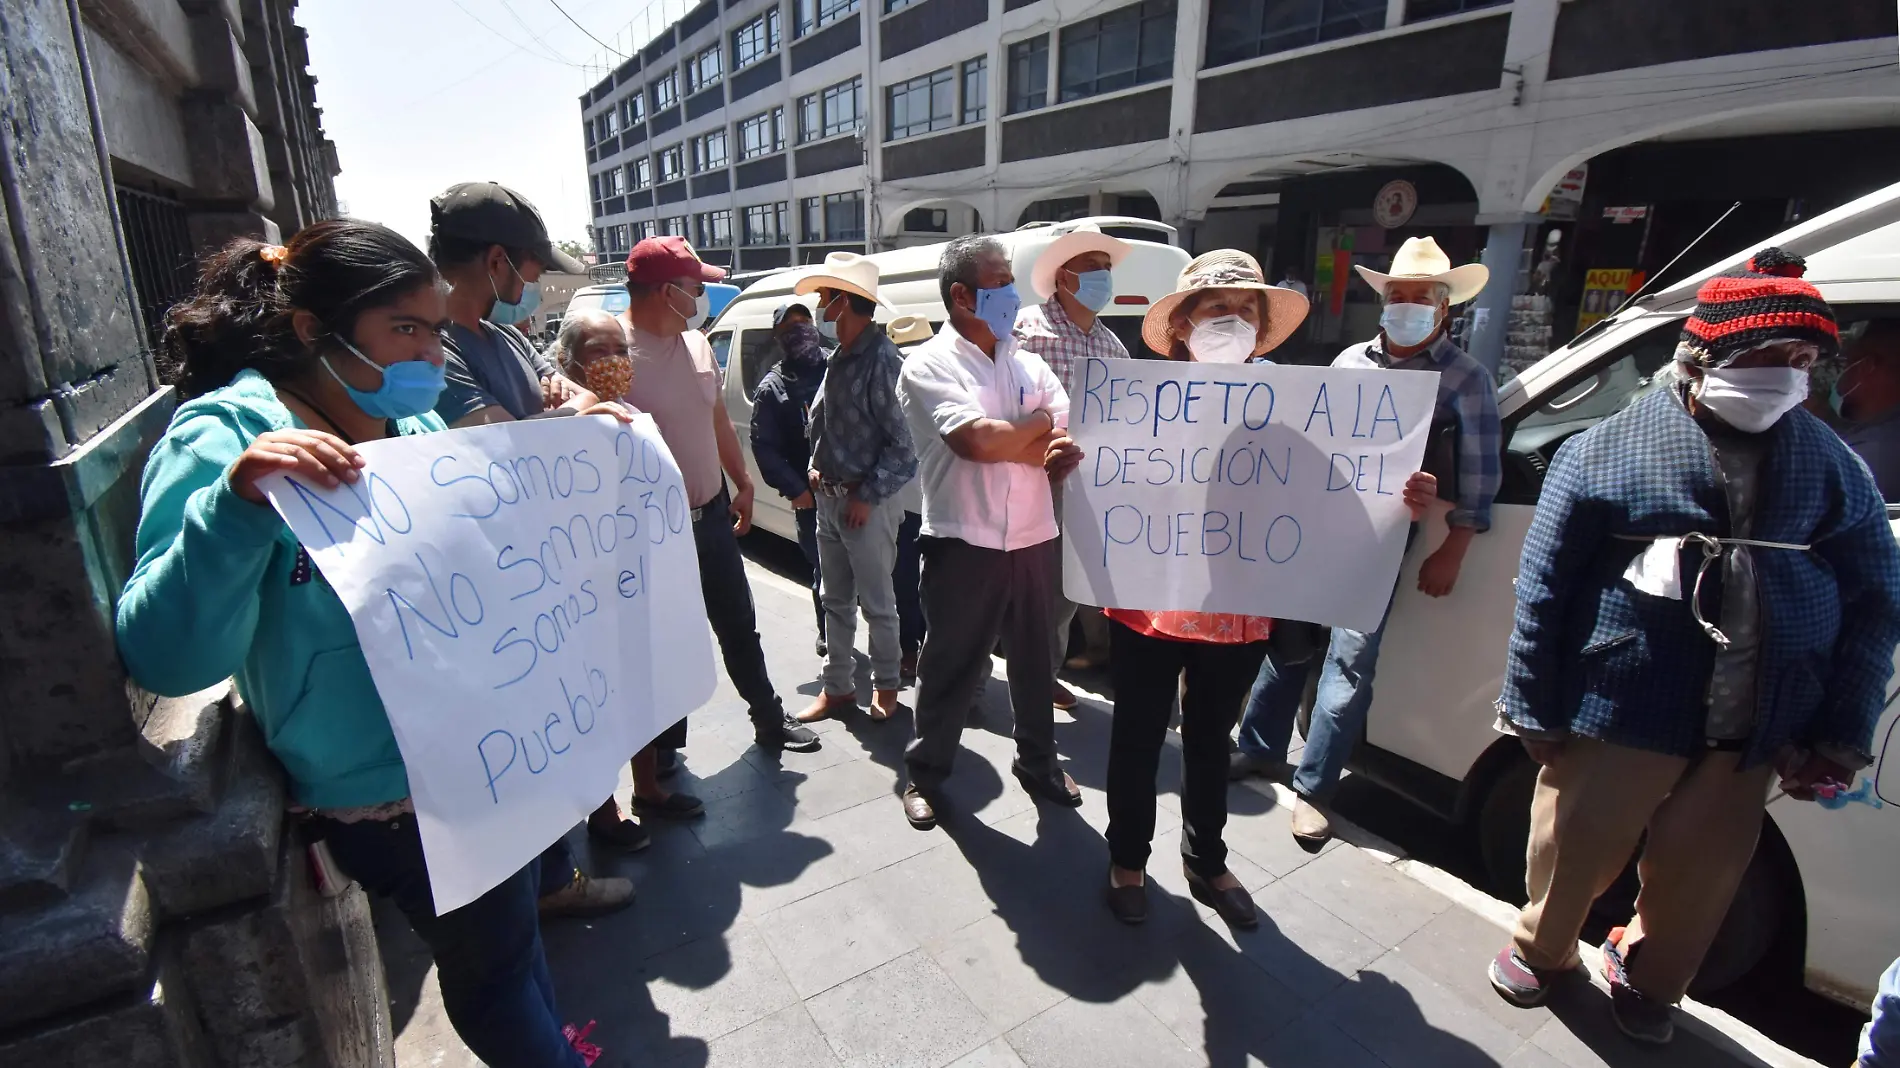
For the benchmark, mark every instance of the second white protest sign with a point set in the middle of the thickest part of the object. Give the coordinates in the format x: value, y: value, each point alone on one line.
x: 1259, y: 489
x: 506, y: 584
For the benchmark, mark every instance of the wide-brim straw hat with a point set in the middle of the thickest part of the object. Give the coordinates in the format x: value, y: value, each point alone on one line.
x: 909, y: 330
x: 1084, y: 238
x: 847, y: 272
x: 1421, y: 260
x: 1225, y: 268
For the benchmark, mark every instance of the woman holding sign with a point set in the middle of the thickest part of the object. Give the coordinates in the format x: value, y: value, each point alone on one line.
x: 1222, y: 311
x: 285, y: 359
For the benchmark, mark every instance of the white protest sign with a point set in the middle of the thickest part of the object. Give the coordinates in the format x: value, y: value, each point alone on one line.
x: 507, y: 584
x: 1261, y: 489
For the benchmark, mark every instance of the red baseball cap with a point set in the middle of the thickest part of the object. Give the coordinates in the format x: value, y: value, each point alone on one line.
x: 658, y: 260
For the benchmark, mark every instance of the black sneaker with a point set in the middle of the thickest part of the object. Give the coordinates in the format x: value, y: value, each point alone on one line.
x: 820, y: 648
x: 786, y: 734
x: 617, y: 833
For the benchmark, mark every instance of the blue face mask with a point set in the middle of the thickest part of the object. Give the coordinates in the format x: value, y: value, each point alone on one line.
x: 1093, y: 289
x: 409, y: 388
x: 997, y: 308
x: 508, y: 313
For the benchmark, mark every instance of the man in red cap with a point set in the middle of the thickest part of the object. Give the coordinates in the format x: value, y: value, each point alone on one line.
x: 677, y: 381
x: 1709, y: 595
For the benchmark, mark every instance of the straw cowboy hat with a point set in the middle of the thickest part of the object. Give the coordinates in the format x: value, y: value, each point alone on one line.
x: 1087, y: 237
x: 909, y: 330
x: 1224, y: 268
x: 847, y: 272
x: 1421, y: 260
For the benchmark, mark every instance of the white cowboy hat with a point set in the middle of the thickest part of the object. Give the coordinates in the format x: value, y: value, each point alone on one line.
x: 1421, y: 260
x: 909, y: 329
x: 1224, y: 268
x: 847, y: 272
x: 1084, y: 238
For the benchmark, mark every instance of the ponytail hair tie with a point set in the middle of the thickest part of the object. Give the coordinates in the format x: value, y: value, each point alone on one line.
x: 275, y: 255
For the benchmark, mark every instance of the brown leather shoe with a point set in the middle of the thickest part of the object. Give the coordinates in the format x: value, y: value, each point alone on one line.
x: 828, y: 705
x: 1234, y: 905
x: 1054, y: 785
x: 1065, y: 698
x: 883, y: 705
x: 918, y: 810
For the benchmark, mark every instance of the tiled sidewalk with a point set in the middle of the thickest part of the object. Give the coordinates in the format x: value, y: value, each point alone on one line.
x: 803, y: 922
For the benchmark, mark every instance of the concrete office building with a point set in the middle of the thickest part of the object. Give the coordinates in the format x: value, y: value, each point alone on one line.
x: 772, y: 132
x: 155, y: 909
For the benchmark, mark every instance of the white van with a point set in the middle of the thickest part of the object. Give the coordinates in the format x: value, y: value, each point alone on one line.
x: 908, y: 281
x: 1823, y: 874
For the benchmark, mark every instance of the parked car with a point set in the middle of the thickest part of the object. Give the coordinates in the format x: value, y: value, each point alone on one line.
x: 1823, y: 874
x: 908, y: 280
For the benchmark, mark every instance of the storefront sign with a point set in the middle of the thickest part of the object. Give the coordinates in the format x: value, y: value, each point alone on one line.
x: 1261, y: 489
x: 1566, y: 199
x: 1394, y: 205
x: 1604, y: 291
x: 527, y: 597
x: 1626, y: 214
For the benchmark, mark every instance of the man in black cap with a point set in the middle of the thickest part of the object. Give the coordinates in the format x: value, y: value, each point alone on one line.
x: 491, y: 246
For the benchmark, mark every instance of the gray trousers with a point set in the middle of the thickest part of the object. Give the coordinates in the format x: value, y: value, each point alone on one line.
x: 856, y: 565
x: 971, y: 597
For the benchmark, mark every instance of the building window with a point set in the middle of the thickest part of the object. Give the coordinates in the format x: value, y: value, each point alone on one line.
x: 898, y: 5
x: 1029, y: 74
x: 762, y: 134
x: 976, y: 88
x: 158, y: 243
x: 587, y: 133
x: 709, y: 151
x: 1244, y: 29
x: 671, y: 167
x: 616, y: 182
x: 927, y: 221
x: 815, y: 13
x: 836, y: 110
x: 1129, y: 46
x: 836, y: 217
x: 923, y: 104
x: 765, y: 225
x: 702, y: 70
x: 633, y: 111
x: 642, y: 231
x: 666, y: 91
x: 755, y: 40
x: 715, y: 229
x: 673, y: 226
x: 1420, y: 10
x: 640, y: 173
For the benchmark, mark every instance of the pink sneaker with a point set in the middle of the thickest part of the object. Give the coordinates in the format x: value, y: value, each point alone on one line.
x: 578, y: 1039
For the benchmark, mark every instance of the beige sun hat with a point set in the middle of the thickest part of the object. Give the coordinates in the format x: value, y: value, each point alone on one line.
x: 1224, y: 268
x: 846, y: 271
x: 1421, y: 260
x: 1086, y: 237
x: 909, y: 330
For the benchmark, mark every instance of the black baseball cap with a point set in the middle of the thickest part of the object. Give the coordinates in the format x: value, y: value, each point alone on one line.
x: 487, y: 211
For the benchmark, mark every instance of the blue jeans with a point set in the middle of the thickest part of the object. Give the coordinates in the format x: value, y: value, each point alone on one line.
x: 1339, y: 708
x: 488, y: 958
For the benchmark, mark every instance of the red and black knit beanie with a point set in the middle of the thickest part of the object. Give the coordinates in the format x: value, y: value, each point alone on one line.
x: 1766, y: 301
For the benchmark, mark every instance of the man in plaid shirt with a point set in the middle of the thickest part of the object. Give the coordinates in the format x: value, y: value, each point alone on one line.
x: 1074, y: 278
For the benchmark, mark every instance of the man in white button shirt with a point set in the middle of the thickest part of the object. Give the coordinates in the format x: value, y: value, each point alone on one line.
x: 986, y: 418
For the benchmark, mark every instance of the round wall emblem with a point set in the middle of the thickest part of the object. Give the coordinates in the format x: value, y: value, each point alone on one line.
x: 1394, y: 205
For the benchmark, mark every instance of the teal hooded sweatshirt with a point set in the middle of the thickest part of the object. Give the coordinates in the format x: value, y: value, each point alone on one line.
x: 222, y: 590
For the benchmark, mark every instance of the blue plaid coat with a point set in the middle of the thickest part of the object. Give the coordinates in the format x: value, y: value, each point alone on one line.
x: 1593, y: 656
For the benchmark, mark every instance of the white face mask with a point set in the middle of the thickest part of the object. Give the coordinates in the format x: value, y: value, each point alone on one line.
x: 1752, y: 399
x: 1224, y: 339
x: 1407, y: 325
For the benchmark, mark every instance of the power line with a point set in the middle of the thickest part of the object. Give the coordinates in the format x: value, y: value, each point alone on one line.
x: 529, y: 30
x: 519, y: 45
x: 587, y: 31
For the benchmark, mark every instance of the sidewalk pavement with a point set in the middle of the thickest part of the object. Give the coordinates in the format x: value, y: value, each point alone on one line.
x: 803, y: 922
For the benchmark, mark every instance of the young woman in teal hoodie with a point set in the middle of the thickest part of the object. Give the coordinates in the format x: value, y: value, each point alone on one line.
x: 286, y: 358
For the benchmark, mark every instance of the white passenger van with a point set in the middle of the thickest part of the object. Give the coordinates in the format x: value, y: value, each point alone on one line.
x: 1823, y: 875
x: 908, y: 281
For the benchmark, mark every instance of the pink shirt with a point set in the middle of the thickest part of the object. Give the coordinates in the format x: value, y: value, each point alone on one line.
x: 676, y: 380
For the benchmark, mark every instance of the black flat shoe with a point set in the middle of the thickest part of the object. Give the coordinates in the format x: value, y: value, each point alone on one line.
x: 1128, y: 903
x: 1053, y: 785
x: 675, y: 807
x: 1234, y: 906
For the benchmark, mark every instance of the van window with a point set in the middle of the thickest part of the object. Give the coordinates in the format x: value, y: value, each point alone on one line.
x: 758, y: 353
x: 721, y: 346
x: 1128, y: 328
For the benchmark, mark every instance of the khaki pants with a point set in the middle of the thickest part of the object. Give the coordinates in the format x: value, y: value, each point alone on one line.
x: 1591, y: 807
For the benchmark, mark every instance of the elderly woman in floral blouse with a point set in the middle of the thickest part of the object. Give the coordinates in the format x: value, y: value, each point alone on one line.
x: 1222, y: 311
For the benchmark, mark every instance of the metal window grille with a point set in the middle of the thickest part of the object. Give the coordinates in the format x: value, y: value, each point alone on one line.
x: 158, y: 242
